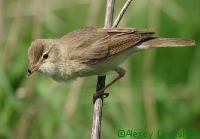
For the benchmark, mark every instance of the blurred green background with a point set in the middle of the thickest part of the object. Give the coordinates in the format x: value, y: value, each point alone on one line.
x: 161, y: 90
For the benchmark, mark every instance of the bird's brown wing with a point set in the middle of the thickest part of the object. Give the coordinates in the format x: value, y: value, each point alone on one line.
x: 107, y: 43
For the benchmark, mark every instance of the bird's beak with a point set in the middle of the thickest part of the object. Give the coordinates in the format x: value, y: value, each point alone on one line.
x: 33, y: 69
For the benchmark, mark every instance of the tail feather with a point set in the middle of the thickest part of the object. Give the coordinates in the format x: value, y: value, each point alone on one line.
x: 167, y: 42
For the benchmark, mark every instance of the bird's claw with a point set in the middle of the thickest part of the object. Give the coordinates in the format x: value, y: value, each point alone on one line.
x: 99, y: 95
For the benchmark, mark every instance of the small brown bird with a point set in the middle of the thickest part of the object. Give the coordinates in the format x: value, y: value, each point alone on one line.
x: 91, y: 51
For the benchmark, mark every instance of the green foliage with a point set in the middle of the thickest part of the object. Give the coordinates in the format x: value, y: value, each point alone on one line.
x: 159, y: 92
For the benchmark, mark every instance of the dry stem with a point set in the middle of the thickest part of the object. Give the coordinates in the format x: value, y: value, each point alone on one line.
x: 96, y: 126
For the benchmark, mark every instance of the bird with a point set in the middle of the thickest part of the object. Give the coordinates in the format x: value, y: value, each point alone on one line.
x: 92, y: 51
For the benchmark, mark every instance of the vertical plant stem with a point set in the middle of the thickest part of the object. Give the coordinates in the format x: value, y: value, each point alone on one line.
x: 96, y: 126
x: 149, y: 99
x: 14, y: 34
x: 30, y: 113
x: 94, y: 12
x: 109, y: 13
x: 1, y: 22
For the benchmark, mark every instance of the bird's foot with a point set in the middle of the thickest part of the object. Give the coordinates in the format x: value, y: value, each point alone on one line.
x: 99, y: 94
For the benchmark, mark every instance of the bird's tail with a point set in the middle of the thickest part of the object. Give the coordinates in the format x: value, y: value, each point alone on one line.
x: 167, y: 42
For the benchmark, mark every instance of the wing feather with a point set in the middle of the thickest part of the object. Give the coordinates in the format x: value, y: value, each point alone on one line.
x: 100, y: 44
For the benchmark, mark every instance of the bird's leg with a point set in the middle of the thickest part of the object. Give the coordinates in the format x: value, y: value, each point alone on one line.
x: 121, y: 73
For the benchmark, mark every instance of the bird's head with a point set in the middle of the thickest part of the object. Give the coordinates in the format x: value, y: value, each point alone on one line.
x: 43, y: 56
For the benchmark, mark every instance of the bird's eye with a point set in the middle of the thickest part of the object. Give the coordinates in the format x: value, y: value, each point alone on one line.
x: 45, y: 56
